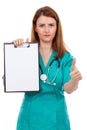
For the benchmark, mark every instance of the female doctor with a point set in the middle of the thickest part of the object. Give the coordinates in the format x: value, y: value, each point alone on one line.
x: 46, y: 109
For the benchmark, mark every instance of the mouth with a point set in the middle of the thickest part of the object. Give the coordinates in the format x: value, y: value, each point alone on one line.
x: 46, y: 35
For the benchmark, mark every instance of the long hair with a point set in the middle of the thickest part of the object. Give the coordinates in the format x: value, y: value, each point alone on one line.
x: 58, y: 43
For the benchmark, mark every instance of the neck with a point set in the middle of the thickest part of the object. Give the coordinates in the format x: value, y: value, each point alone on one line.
x: 45, y: 46
x: 45, y: 51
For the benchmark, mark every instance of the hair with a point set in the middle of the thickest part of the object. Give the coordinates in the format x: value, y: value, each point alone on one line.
x: 58, y: 43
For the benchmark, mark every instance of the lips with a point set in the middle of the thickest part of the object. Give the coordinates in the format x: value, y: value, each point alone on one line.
x: 46, y: 35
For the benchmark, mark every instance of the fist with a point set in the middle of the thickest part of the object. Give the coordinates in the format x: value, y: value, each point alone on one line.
x: 75, y: 73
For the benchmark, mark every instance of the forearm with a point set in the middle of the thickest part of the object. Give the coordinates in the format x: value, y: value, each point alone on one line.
x: 70, y: 86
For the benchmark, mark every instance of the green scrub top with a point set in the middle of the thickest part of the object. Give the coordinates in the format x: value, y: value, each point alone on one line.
x: 46, y: 109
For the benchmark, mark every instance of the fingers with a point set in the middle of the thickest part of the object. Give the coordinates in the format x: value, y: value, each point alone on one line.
x: 73, y: 64
x: 27, y: 40
x: 19, y: 42
x: 76, y: 75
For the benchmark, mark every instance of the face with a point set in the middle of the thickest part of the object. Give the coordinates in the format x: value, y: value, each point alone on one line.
x: 46, y: 28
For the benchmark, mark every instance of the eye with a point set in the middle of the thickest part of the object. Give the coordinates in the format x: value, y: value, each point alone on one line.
x: 41, y: 25
x: 51, y: 25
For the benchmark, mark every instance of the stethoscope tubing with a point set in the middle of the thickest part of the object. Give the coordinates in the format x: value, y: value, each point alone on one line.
x: 56, y: 59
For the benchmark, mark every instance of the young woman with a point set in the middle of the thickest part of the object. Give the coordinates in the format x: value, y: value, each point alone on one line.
x: 46, y: 109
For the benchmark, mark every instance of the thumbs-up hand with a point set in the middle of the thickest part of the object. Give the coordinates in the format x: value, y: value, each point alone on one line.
x: 76, y: 76
x: 75, y: 73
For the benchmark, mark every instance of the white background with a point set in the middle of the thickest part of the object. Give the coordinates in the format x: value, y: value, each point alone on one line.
x: 15, y: 22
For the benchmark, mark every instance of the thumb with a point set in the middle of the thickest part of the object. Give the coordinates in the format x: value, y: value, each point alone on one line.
x: 27, y: 40
x: 74, y: 64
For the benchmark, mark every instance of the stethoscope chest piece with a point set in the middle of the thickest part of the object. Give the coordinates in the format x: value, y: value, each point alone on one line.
x: 43, y: 77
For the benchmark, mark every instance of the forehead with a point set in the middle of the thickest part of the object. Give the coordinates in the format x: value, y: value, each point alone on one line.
x: 45, y: 19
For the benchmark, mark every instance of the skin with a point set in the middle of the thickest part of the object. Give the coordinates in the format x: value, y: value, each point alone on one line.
x: 76, y: 76
x: 46, y: 29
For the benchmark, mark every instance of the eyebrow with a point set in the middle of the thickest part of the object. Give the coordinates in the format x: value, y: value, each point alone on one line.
x: 44, y: 23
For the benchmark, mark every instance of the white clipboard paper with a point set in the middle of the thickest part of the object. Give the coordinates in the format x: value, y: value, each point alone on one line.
x: 21, y: 67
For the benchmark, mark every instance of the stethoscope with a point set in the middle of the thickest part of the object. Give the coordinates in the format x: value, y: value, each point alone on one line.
x: 44, y: 76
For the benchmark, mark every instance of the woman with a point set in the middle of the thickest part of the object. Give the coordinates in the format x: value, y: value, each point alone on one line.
x: 46, y: 109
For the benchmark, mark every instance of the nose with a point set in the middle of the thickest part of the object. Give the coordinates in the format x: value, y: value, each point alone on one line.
x: 46, y: 28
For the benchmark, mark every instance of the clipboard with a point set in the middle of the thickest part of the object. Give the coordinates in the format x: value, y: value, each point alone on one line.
x: 21, y: 67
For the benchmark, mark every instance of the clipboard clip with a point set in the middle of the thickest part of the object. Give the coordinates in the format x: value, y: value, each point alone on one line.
x: 24, y: 45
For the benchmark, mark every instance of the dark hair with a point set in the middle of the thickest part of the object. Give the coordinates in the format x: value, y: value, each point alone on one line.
x: 58, y: 43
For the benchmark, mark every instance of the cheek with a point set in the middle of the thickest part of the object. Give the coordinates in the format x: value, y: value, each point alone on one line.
x: 54, y: 33
x: 38, y: 31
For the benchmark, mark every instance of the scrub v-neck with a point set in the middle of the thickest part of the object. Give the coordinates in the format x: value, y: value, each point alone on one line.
x: 44, y: 67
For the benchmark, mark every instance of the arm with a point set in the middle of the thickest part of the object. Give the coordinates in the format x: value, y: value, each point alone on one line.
x: 75, y: 74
